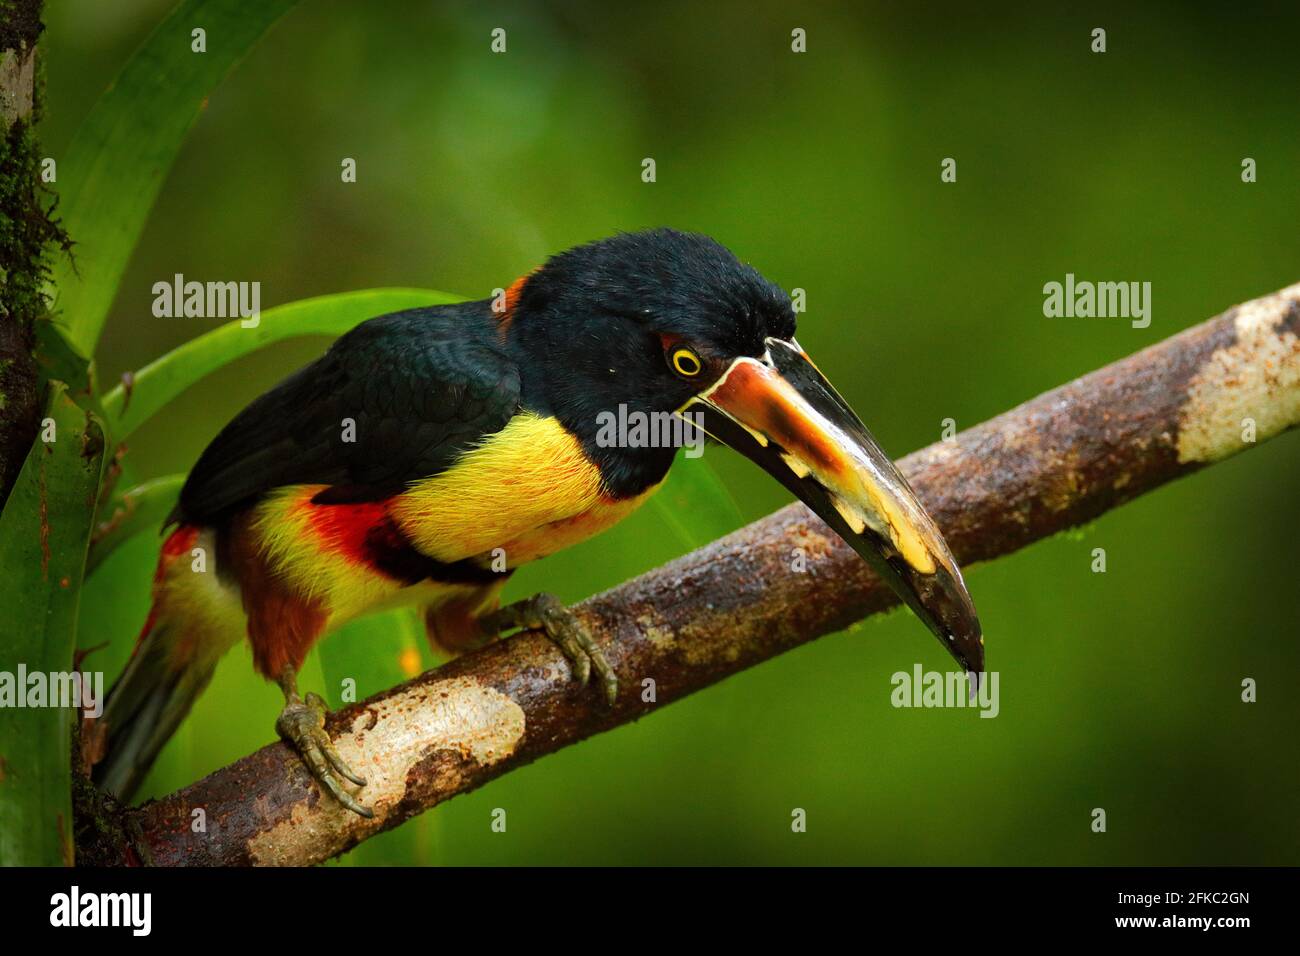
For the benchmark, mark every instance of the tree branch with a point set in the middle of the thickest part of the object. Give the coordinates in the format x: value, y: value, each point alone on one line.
x: 1057, y: 461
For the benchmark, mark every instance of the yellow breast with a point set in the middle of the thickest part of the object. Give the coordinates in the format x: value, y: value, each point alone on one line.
x: 529, y: 489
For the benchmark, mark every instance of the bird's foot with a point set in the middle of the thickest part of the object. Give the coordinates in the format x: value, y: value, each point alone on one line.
x: 546, y: 612
x: 302, y: 726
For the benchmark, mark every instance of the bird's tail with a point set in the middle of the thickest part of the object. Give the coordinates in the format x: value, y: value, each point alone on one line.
x: 194, y: 620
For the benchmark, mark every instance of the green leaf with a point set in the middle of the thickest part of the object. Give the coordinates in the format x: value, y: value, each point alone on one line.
x: 141, y: 508
x: 44, y: 533
x: 695, y: 504
x: 123, y: 151
x: 59, y: 359
x: 162, y: 380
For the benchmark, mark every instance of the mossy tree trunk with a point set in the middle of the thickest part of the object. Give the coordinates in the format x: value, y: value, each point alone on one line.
x: 27, y: 235
x: 51, y: 466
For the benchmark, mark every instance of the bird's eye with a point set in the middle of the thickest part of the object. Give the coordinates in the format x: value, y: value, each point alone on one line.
x: 686, y: 363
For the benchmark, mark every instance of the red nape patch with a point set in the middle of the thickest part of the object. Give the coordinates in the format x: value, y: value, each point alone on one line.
x: 513, y: 292
x: 343, y: 528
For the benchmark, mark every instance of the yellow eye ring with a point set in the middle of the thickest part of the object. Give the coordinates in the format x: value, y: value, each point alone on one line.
x: 686, y: 363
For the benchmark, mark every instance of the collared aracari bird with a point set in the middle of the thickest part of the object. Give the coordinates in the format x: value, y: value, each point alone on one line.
x: 424, y: 443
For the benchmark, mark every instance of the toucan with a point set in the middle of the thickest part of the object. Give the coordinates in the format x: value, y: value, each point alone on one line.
x: 428, y: 453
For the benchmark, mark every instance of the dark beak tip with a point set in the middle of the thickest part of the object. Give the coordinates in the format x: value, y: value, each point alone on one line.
x: 944, y: 605
x: 967, y: 650
x: 973, y: 643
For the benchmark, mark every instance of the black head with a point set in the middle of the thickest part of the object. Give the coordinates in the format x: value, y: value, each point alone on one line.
x: 645, y: 319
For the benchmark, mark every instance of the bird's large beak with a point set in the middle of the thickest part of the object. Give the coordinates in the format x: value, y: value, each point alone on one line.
x: 781, y: 412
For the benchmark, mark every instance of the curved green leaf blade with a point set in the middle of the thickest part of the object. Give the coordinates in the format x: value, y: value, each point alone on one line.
x: 123, y: 151
x: 162, y: 380
x: 44, y: 533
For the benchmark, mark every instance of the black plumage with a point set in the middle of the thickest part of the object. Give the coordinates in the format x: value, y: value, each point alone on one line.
x: 419, y: 387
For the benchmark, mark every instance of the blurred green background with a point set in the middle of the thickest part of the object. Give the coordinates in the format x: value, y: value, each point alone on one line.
x: 1119, y: 690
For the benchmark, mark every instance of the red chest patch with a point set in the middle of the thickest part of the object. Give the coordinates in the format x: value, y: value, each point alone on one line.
x: 347, y: 528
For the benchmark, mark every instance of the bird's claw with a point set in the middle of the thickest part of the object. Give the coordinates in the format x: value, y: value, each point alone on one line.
x: 302, y: 726
x: 562, y: 626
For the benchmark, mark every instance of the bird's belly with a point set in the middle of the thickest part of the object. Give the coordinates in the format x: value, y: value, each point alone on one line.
x: 557, y: 535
